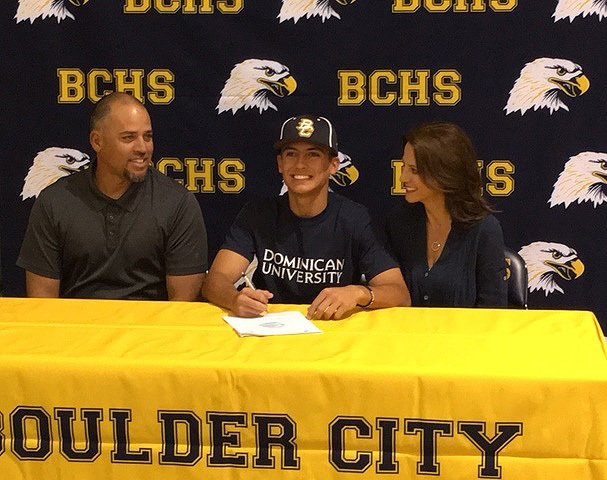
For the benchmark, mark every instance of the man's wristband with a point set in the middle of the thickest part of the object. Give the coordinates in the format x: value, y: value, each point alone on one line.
x: 370, y: 299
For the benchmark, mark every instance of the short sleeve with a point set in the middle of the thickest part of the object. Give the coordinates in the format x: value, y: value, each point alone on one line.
x: 41, y: 248
x: 373, y: 256
x: 491, y: 286
x: 240, y: 238
x: 186, y: 248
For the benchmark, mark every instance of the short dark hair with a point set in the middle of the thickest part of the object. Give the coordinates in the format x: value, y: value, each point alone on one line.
x: 446, y: 160
x: 103, y: 106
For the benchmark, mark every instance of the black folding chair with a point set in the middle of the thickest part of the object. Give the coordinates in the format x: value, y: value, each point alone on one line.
x: 516, y: 275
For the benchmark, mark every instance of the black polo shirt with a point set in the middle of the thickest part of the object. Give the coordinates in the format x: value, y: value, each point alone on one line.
x: 123, y: 249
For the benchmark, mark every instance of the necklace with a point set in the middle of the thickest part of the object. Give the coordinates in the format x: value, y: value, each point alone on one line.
x: 435, y: 247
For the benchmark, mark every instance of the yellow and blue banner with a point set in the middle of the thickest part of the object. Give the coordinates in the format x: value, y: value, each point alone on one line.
x: 159, y: 390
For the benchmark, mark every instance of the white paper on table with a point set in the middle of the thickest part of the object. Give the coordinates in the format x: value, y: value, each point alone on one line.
x: 280, y: 323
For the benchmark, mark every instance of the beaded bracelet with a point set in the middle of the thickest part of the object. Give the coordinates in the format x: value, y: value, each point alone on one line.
x: 370, y: 301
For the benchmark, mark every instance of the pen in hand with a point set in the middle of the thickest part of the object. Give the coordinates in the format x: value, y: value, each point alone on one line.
x: 248, y: 282
x: 259, y: 298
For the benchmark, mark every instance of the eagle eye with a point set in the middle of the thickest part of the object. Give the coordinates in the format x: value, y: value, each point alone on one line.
x: 604, y: 164
x: 560, y: 71
x: 270, y: 72
x: 556, y: 255
x: 68, y: 159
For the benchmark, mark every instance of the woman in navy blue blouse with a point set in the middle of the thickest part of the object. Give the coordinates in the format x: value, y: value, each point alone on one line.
x: 449, y: 246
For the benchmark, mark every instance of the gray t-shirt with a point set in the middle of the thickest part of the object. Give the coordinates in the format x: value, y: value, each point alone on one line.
x: 122, y: 249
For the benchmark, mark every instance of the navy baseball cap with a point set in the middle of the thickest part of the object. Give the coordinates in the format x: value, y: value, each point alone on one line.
x: 308, y: 128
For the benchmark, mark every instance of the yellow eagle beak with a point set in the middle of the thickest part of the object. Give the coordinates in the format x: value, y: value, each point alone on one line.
x: 570, y: 270
x: 281, y: 88
x: 577, y: 267
x: 345, y: 177
x: 575, y: 87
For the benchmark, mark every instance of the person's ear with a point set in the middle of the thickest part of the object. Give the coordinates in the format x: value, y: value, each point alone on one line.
x: 95, y: 140
x: 279, y: 162
x: 334, y: 165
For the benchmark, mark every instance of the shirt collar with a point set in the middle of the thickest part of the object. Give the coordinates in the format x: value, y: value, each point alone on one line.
x: 129, y: 199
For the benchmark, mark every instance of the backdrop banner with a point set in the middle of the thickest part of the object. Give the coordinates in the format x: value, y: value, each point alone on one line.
x: 526, y: 79
x: 123, y: 390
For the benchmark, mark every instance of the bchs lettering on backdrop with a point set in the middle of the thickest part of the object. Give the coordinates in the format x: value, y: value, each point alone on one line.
x: 181, y: 439
x: 457, y: 6
x: 405, y: 87
x: 198, y: 175
x: 205, y: 175
x: 155, y: 85
x: 228, y: 7
x: 499, y: 175
x: 58, y: 9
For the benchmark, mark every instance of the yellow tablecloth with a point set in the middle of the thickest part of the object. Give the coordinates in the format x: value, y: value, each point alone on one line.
x: 158, y: 390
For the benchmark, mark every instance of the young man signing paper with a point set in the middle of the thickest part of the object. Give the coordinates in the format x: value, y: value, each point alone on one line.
x: 312, y: 245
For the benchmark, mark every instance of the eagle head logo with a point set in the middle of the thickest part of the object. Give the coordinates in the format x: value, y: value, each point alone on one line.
x: 543, y: 81
x: 573, y: 8
x: 584, y: 179
x: 296, y: 9
x: 32, y: 9
x: 345, y: 176
x: 548, y: 262
x: 50, y: 165
x: 252, y: 81
x: 346, y: 173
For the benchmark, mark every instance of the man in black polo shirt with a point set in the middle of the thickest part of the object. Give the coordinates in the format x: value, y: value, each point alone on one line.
x: 312, y: 246
x: 120, y: 229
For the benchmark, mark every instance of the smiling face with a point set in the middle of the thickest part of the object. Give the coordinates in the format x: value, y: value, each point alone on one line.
x: 306, y: 168
x: 416, y: 189
x: 123, y: 142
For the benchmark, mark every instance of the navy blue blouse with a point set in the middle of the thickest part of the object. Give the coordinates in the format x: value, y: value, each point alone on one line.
x: 470, y: 270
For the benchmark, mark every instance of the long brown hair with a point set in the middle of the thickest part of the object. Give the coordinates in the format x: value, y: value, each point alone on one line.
x: 446, y: 160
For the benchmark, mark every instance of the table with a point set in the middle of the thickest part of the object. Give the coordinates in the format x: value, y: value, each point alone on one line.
x: 97, y: 389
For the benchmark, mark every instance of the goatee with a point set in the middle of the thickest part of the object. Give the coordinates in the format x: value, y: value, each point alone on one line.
x: 136, y: 177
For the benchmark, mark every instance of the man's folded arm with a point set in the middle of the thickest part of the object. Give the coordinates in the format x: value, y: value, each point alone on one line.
x: 184, y: 288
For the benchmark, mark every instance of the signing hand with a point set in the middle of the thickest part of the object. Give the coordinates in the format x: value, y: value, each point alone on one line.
x: 251, y: 303
x: 334, y: 303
